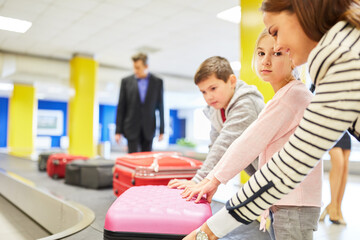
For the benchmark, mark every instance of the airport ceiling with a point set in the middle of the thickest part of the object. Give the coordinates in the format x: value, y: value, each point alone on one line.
x: 177, y: 34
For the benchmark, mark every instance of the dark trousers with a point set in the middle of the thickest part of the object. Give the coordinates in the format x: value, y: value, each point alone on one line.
x: 140, y: 144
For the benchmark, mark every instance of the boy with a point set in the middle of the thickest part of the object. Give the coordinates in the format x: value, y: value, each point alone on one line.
x: 232, y: 107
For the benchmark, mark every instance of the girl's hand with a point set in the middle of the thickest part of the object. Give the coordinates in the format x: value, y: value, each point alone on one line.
x: 209, y: 189
x: 188, y: 189
x: 180, y: 184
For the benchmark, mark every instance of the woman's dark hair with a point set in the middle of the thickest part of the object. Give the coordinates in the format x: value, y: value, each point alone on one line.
x: 317, y: 16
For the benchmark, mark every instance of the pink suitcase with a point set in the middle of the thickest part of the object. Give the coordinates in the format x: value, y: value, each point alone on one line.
x: 154, y: 212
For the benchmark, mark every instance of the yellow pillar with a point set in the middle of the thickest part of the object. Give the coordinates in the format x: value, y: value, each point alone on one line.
x: 251, y: 25
x: 83, y: 107
x: 22, y: 120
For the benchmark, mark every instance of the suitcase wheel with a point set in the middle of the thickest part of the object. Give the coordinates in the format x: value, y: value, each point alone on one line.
x: 116, y: 192
x: 42, y: 167
x: 133, y: 181
x: 55, y: 176
x: 116, y: 175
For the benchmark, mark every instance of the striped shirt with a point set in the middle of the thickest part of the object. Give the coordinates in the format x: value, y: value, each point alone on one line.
x: 334, y: 66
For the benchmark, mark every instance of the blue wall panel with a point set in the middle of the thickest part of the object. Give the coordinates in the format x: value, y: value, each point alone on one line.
x: 107, y: 115
x: 4, y: 109
x: 177, y: 127
x: 54, y: 105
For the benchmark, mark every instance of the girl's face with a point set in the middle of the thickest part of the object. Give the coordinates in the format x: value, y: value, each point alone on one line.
x: 216, y: 92
x: 273, y: 66
x: 289, y: 35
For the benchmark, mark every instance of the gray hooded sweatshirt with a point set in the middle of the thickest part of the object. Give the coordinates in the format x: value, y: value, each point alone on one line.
x: 243, y: 108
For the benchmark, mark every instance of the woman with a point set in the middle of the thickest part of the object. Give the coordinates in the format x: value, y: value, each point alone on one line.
x: 339, y: 157
x: 326, y: 34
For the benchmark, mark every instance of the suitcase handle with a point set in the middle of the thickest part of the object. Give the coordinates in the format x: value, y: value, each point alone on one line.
x: 155, y: 155
x: 133, y: 179
x: 155, y: 165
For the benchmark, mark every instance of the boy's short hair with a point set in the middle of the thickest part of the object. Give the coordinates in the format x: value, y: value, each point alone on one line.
x: 140, y: 56
x: 213, y: 65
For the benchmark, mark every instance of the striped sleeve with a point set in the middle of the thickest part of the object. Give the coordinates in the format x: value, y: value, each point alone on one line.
x: 334, y: 108
x: 323, y: 123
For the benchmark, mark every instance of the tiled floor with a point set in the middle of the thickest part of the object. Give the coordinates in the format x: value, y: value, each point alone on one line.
x: 350, y: 209
x: 15, y: 225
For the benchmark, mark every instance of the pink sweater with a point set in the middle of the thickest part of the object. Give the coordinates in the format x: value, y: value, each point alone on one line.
x: 266, y: 136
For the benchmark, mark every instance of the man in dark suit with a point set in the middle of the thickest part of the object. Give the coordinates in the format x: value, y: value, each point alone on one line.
x: 141, y: 94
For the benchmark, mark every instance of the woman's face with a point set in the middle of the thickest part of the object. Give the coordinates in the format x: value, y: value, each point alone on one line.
x: 289, y: 35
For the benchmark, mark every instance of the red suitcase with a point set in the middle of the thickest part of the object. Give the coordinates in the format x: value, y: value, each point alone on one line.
x: 153, y: 212
x: 56, y: 164
x: 151, y: 168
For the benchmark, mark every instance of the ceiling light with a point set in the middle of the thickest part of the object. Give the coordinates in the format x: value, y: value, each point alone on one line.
x: 6, y: 86
x: 232, y: 15
x: 235, y: 65
x: 14, y: 25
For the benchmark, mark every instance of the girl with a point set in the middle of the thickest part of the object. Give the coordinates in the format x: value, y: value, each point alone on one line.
x: 266, y: 136
x: 326, y: 34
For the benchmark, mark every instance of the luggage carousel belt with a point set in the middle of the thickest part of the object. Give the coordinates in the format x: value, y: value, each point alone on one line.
x: 98, y: 201
x: 14, y: 224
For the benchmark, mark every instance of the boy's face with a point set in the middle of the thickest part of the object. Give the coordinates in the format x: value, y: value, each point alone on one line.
x: 216, y: 92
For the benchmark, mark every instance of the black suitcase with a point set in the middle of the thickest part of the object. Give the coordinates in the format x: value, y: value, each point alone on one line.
x: 97, y: 173
x: 42, y: 160
x: 73, y: 172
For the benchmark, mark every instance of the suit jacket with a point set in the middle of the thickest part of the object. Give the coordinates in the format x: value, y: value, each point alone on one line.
x: 132, y: 115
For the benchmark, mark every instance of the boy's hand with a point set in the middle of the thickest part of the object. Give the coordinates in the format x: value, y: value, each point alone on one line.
x: 200, y: 190
x: 180, y: 183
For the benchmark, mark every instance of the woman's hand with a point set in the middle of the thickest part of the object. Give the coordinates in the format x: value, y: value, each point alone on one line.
x: 180, y: 183
x: 191, y: 236
x: 201, y: 189
x: 206, y: 229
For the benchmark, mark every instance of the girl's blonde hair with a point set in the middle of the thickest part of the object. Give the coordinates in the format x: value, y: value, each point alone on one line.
x: 263, y: 34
